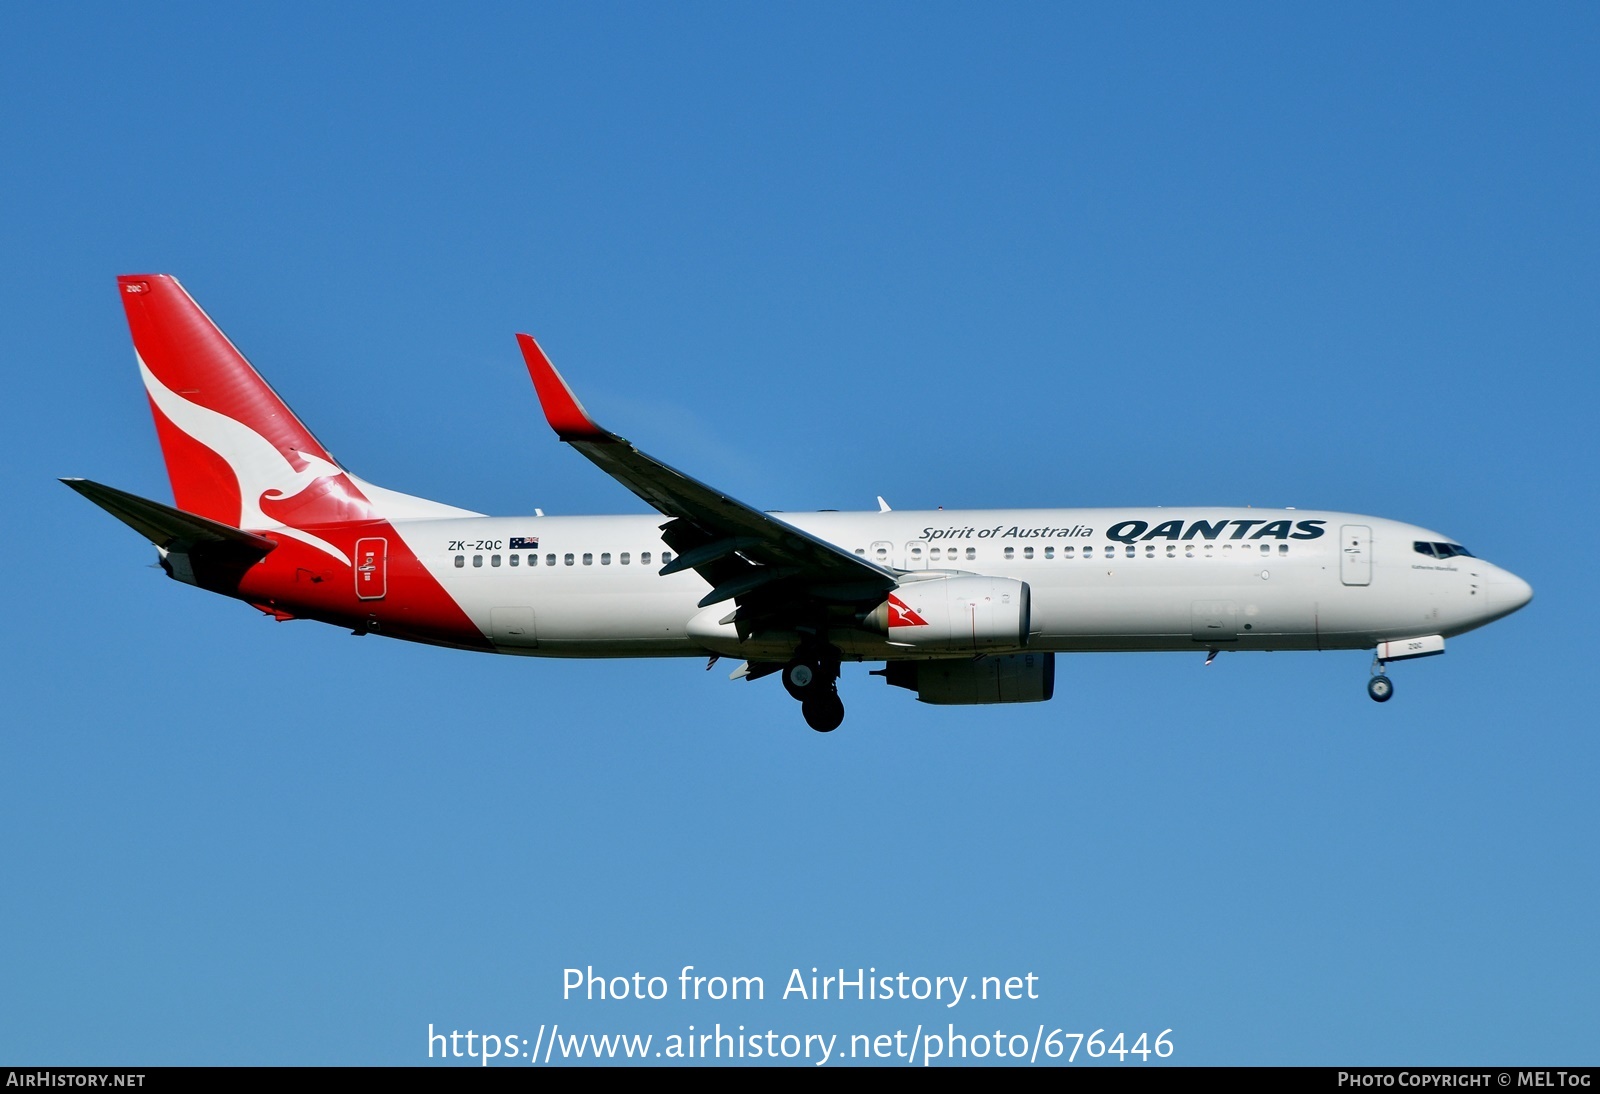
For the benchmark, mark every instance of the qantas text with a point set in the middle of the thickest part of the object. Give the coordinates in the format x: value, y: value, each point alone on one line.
x: 1129, y: 530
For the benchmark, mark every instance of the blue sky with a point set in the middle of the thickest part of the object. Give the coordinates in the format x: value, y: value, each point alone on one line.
x: 954, y: 255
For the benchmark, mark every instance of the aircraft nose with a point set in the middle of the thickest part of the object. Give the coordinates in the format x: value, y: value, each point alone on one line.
x: 1508, y: 592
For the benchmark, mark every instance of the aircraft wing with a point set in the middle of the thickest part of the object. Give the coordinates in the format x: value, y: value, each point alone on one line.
x: 745, y: 554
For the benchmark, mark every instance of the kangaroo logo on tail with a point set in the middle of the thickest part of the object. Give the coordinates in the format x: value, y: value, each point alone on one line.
x: 263, y: 472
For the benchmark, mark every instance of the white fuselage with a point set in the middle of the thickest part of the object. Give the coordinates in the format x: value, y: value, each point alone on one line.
x: 964, y: 607
x: 1100, y: 579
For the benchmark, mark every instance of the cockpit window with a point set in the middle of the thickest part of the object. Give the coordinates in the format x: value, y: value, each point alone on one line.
x: 1441, y: 550
x: 1423, y: 549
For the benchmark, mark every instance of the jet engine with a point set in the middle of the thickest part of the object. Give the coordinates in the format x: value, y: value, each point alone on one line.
x: 997, y: 678
x: 966, y: 614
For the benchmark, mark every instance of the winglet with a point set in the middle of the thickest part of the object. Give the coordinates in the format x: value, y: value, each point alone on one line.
x: 561, y: 408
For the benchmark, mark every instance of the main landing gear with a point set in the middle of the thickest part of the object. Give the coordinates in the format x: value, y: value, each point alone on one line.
x: 813, y: 679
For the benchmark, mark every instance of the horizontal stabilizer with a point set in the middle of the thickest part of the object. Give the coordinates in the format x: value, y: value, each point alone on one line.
x: 165, y: 526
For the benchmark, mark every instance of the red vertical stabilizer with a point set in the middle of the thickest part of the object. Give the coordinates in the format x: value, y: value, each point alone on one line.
x: 235, y: 453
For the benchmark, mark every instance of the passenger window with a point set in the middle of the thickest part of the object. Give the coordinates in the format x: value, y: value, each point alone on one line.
x: 1132, y: 550
x: 477, y: 560
x: 1266, y: 548
x: 1011, y: 553
x: 494, y: 560
x: 568, y: 558
x: 1068, y: 552
x: 916, y: 552
x: 516, y: 560
x: 588, y: 558
x: 1027, y: 552
x: 1149, y: 550
x: 1283, y: 548
x: 461, y: 560
x: 1172, y: 550
x: 972, y: 553
x: 666, y: 557
x: 623, y: 558
x: 550, y: 560
x: 605, y: 558
x: 644, y: 558
x: 1049, y: 552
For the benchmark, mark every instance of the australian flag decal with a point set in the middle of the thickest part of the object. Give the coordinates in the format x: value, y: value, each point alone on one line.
x: 521, y: 543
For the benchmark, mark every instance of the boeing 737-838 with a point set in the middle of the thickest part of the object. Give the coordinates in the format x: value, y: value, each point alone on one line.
x: 962, y: 607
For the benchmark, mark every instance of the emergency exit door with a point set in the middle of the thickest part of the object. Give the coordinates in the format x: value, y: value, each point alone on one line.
x: 372, y: 568
x: 1355, y: 554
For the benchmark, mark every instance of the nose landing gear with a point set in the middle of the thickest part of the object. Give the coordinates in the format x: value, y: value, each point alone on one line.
x: 813, y: 678
x: 1379, y: 686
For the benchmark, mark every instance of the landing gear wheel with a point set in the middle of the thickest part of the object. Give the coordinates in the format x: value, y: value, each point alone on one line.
x: 800, y: 679
x: 1381, y: 688
x: 823, y: 712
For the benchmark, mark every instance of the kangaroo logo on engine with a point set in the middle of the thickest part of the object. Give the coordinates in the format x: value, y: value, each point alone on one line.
x: 902, y: 616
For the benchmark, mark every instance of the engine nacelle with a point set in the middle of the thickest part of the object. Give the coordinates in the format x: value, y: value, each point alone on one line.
x: 997, y: 678
x: 967, y: 614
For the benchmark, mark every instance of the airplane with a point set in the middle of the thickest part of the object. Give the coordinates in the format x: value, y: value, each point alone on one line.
x: 961, y: 606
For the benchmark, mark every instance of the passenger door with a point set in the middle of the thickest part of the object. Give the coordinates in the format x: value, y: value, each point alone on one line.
x: 1355, y: 554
